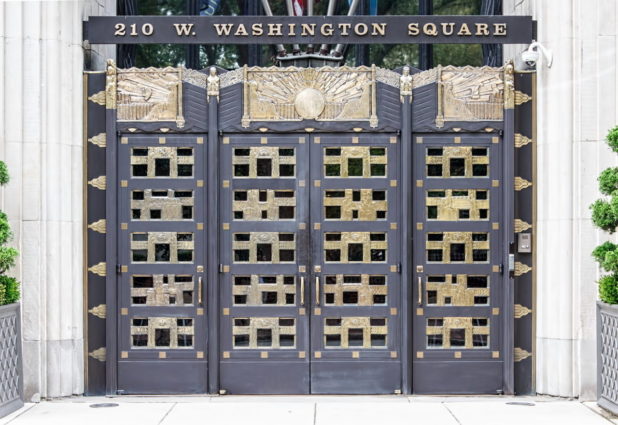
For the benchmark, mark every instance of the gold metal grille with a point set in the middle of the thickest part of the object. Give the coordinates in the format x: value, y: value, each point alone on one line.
x: 162, y: 162
x: 457, y: 247
x: 361, y: 290
x: 164, y: 204
x: 457, y: 332
x: 457, y: 290
x: 254, y: 289
x: 162, y: 290
x: 256, y: 205
x: 457, y: 162
x: 264, y: 247
x: 457, y: 204
x: 264, y: 162
x: 355, y: 161
x: 355, y: 332
x: 166, y: 247
x: 264, y: 332
x: 355, y: 204
x: 162, y: 332
x: 352, y: 247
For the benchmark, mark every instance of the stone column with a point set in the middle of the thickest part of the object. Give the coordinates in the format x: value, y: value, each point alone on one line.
x: 41, y: 63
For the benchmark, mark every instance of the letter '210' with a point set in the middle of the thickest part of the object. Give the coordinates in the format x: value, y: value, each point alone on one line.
x: 121, y: 29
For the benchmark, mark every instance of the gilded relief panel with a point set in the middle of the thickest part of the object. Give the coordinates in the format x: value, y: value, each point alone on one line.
x: 351, y: 247
x: 457, y: 333
x: 457, y: 290
x: 257, y: 205
x: 162, y: 290
x: 253, y: 290
x: 162, y: 247
x: 264, y: 247
x: 457, y: 247
x: 264, y: 162
x: 162, y: 204
x: 357, y: 290
x: 355, y: 204
x: 457, y: 161
x: 355, y: 161
x: 355, y: 332
x: 457, y: 204
x: 162, y: 162
x: 162, y: 332
x: 264, y: 333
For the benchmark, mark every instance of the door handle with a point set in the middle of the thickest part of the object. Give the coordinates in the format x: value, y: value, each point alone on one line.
x: 199, y: 291
x: 420, y: 290
x: 302, y: 290
x: 317, y: 290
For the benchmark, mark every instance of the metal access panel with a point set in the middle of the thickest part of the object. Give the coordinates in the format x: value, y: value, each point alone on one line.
x: 162, y: 335
x: 459, y: 267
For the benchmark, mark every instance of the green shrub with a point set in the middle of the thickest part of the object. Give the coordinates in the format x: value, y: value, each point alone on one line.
x: 601, y: 251
x: 608, y: 181
x: 4, y: 174
x: 603, y: 215
x: 608, y: 289
x: 10, y: 287
x: 612, y: 139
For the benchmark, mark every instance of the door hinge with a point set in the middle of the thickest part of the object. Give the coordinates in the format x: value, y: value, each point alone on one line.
x: 220, y: 268
x: 118, y: 269
x: 398, y: 267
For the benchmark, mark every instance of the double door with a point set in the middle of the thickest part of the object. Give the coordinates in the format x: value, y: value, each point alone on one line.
x: 310, y: 245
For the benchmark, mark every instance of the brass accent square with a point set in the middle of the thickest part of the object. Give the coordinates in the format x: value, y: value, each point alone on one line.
x: 124, y: 183
x: 419, y: 226
x: 495, y: 311
x: 495, y: 140
x: 200, y: 183
x: 355, y: 139
x: 200, y: 140
x: 124, y: 354
x: 355, y: 354
x: 124, y: 269
x: 393, y: 269
x: 317, y: 269
x: 394, y: 311
x: 420, y: 312
x: 457, y: 354
x: 495, y: 269
x: 226, y: 140
x: 301, y: 140
x: 457, y: 139
x: 317, y: 183
x: 495, y: 354
x: 393, y: 354
x: 124, y: 226
x: 317, y: 354
x: 302, y: 269
x: 495, y: 183
x: 161, y: 140
x: 302, y: 226
x: 420, y: 355
x: 316, y: 140
x: 225, y: 183
x: 495, y: 226
x: 317, y: 226
x: 302, y: 311
x: 419, y: 183
x: 393, y: 183
x: 264, y: 140
x: 226, y: 354
x: 419, y: 140
x: 393, y: 139
x: 226, y: 226
x: 124, y: 311
x: 317, y: 311
x: 199, y: 355
x: 302, y: 354
x: 226, y: 311
x: 124, y: 140
x: 200, y: 312
x: 200, y: 226
x: 301, y: 183
x: 226, y: 269
x: 162, y: 355
x: 264, y: 355
x: 393, y: 226
x: 200, y: 269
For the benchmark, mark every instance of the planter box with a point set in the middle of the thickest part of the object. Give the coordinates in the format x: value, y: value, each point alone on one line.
x: 11, y: 376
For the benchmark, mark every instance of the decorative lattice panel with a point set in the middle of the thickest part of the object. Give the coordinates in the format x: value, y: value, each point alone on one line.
x: 9, y: 360
x: 609, y: 356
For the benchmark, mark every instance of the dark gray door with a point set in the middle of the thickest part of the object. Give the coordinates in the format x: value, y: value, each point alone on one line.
x: 458, y: 263
x: 310, y: 286
x: 161, y: 204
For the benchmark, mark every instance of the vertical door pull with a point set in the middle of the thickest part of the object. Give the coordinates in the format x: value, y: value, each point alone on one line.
x: 199, y: 290
x: 302, y: 290
x: 317, y: 290
x: 420, y: 290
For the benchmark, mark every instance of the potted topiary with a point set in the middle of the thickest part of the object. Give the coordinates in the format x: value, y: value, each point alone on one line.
x: 11, y: 380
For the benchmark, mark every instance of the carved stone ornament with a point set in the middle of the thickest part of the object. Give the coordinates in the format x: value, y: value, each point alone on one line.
x: 148, y: 95
x: 321, y: 94
x: 213, y: 84
x: 405, y: 84
x: 470, y: 94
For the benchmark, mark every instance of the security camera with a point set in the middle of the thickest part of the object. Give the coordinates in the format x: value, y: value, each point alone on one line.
x: 532, y: 55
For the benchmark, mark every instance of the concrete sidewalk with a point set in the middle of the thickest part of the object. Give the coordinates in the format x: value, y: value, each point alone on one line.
x: 311, y: 410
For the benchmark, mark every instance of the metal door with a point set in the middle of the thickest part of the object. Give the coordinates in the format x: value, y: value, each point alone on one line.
x: 310, y: 264
x: 355, y: 216
x: 161, y: 199
x: 459, y: 264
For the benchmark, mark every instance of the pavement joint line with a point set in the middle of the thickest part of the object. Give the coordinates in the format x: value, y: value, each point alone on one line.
x: 19, y: 414
x: 602, y: 413
x: 315, y: 413
x: 452, y: 414
x: 167, y: 413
